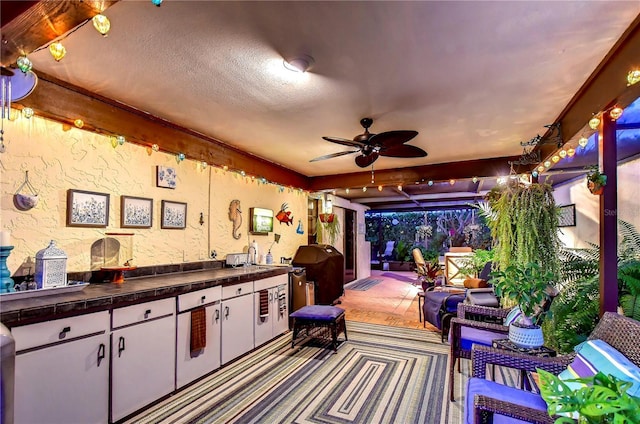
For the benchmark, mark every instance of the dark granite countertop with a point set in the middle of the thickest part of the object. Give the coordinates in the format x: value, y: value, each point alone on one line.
x: 106, y: 296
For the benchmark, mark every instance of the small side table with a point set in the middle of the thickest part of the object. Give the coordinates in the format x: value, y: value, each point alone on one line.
x: 508, y: 345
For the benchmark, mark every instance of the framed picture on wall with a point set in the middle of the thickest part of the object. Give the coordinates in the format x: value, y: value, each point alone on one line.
x: 567, y: 216
x: 165, y: 177
x: 136, y: 212
x: 87, y: 209
x: 174, y: 215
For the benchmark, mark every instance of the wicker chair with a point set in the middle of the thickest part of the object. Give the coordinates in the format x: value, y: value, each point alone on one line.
x: 620, y: 332
x: 485, y: 326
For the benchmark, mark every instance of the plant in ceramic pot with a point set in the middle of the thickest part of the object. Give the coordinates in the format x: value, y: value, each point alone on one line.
x: 596, y: 181
x: 528, y: 286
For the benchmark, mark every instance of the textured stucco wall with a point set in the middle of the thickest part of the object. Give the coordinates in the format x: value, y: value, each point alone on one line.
x: 588, y: 205
x: 59, y: 160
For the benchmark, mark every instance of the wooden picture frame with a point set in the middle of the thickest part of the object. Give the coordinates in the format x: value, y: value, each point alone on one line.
x: 87, y: 209
x: 567, y: 216
x: 166, y: 177
x: 136, y: 212
x: 173, y: 215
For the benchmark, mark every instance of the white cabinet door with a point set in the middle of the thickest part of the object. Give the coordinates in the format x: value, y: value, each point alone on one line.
x: 237, y: 327
x: 67, y: 383
x: 263, y: 325
x: 143, y: 364
x: 189, y: 368
x: 281, y: 320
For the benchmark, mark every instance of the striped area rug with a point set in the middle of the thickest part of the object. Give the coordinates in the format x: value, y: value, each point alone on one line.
x: 362, y: 285
x: 381, y: 375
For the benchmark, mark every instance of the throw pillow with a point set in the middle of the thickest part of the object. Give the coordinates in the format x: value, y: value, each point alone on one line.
x: 475, y: 283
x: 597, y: 355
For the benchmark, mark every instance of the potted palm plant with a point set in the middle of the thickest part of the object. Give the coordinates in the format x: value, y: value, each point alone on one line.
x: 527, y: 286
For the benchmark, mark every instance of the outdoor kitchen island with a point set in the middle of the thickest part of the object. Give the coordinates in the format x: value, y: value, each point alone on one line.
x: 100, y: 354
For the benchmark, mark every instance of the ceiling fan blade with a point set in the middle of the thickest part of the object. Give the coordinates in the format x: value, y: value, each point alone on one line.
x: 365, y: 160
x: 343, y: 141
x: 392, y: 138
x: 333, y: 155
x: 403, y: 151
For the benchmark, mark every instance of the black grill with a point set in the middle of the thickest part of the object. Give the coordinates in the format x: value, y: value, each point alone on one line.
x: 325, y: 267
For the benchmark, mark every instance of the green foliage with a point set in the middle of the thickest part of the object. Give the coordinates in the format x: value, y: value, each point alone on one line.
x: 525, y: 226
x: 575, y: 312
x: 599, y: 399
x: 402, y: 251
x: 474, y: 264
x: 526, y: 285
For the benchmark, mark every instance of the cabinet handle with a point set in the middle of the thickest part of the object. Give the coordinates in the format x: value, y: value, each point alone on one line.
x: 64, y: 332
x: 270, y: 296
x: 217, y: 314
x: 147, y: 313
x: 202, y: 299
x: 101, y: 354
x: 120, y: 346
x: 239, y: 290
x: 226, y: 312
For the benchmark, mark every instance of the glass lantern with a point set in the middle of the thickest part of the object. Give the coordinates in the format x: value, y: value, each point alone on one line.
x: 51, y: 267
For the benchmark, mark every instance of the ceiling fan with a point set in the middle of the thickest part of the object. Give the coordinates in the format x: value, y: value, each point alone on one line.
x: 371, y: 146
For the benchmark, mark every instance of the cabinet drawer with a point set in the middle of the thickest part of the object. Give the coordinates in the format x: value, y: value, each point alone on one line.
x: 143, y: 312
x: 267, y: 283
x: 44, y: 333
x: 237, y: 290
x: 198, y: 298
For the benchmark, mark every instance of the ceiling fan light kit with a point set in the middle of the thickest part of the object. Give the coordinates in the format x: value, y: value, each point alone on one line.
x: 371, y: 146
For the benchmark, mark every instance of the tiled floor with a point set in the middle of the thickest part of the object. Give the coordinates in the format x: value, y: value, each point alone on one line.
x: 393, y: 301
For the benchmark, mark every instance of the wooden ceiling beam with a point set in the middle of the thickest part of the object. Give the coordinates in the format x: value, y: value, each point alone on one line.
x: 63, y: 102
x: 43, y: 22
x: 405, y: 176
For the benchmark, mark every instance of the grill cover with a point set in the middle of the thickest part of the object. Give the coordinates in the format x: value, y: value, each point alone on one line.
x: 324, y: 266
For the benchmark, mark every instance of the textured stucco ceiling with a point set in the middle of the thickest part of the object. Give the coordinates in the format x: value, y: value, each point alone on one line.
x: 474, y: 78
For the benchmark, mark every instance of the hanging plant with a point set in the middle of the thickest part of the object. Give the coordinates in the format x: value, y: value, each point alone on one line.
x: 328, y: 227
x: 596, y: 181
x: 524, y: 226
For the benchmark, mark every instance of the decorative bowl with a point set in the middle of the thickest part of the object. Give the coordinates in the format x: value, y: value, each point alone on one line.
x: 25, y: 202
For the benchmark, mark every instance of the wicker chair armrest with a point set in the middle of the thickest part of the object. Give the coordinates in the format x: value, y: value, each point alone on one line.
x: 480, y: 325
x: 485, y: 407
x: 481, y: 356
x: 467, y: 308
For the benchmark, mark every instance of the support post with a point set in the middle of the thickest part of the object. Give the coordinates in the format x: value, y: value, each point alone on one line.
x: 607, y: 157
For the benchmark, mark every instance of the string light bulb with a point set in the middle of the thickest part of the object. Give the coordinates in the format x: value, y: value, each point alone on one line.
x: 547, y: 164
x: 102, y: 24
x: 157, y: 2
x: 594, y: 123
x: 430, y: 183
x: 155, y: 147
x: 57, y: 50
x: 121, y: 140
x: 24, y: 64
x: 225, y: 168
x: 27, y: 112
x: 633, y: 77
x: 555, y: 158
x: 534, y: 174
x: 204, y: 165
x: 452, y: 181
x: 346, y: 190
x: 78, y: 123
x: 400, y: 188
x: 379, y: 188
x: 562, y: 153
x: 364, y: 189
x: 583, y: 141
x: 571, y: 152
x: 616, y: 113
x: 541, y: 168
x: 474, y: 179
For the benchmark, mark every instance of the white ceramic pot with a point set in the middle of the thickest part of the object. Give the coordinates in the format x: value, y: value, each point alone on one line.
x: 526, y: 336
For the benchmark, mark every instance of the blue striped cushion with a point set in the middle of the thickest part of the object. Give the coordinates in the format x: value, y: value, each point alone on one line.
x: 513, y: 315
x: 597, y: 355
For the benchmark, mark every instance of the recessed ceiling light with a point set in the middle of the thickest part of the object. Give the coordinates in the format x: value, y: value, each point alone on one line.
x: 299, y: 64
